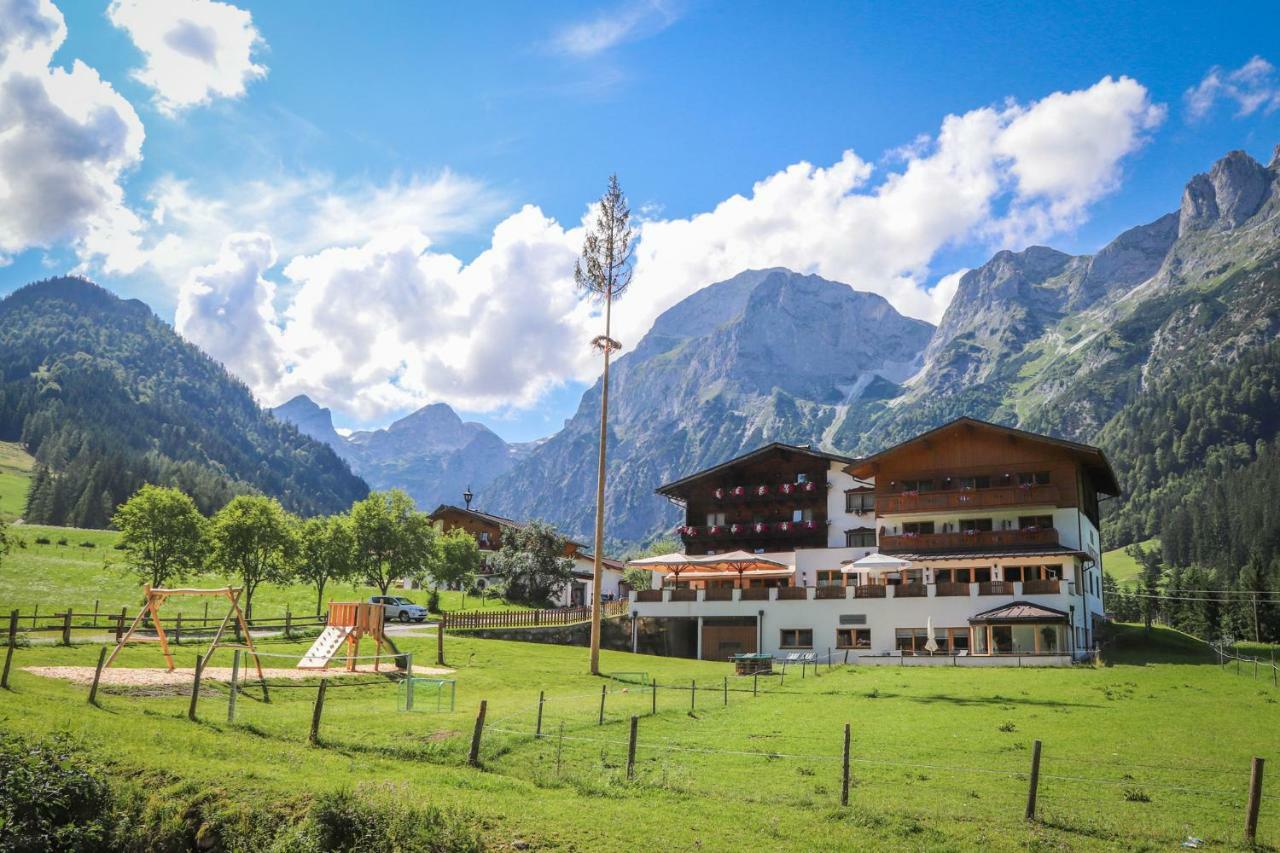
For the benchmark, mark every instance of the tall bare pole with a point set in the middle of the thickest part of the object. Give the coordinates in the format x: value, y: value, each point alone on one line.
x: 604, y: 272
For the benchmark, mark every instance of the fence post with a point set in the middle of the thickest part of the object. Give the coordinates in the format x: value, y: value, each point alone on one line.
x: 177, y: 630
x: 440, y: 639
x: 755, y: 684
x: 604, y: 691
x: 195, y: 690
x: 844, y: 772
x: 124, y: 614
x: 631, y: 749
x: 288, y: 623
x: 231, y: 698
x: 66, y: 627
x: 828, y: 658
x: 474, y: 758
x: 97, y: 676
x: 726, y: 691
x: 653, y: 696
x: 314, y: 735
x: 541, y: 698
x: 96, y: 602
x: 693, y: 695
x: 559, y: 748
x: 8, y: 653
x: 1034, y: 780
x: 1255, y: 800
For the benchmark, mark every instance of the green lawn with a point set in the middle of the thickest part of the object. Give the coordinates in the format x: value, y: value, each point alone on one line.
x: 88, y: 569
x: 15, y: 476
x: 1121, y: 566
x: 1140, y: 753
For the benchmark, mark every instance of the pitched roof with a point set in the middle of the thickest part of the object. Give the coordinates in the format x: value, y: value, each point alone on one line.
x: 771, y: 447
x: 1020, y: 611
x: 519, y: 525
x: 1095, y: 459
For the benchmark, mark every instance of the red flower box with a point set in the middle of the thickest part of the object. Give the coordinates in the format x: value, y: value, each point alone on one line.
x: 719, y: 493
x: 762, y: 490
x: 738, y: 491
x: 788, y: 488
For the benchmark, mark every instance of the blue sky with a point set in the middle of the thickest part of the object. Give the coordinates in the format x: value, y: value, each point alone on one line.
x: 391, y: 147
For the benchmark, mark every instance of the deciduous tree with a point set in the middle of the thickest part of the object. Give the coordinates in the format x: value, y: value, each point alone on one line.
x: 162, y: 534
x: 532, y: 563
x: 457, y: 560
x: 255, y: 540
x: 327, y: 552
x: 393, y: 540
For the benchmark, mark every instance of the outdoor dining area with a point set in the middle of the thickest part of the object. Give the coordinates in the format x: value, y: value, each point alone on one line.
x: 717, y: 575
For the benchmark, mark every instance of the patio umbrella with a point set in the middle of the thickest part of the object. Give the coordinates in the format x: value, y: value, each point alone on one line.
x: 874, y: 563
x: 930, y: 645
x: 674, y: 563
x: 737, y: 561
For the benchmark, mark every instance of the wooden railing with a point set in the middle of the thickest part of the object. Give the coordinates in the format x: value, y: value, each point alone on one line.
x: 684, y: 595
x: 829, y: 592
x: 648, y: 595
x: 718, y: 593
x: 944, y: 588
x: 754, y: 593
x: 995, y: 588
x: 895, y: 502
x: 177, y: 625
x: 792, y: 593
x: 870, y: 590
x: 910, y: 590
x: 962, y: 541
x: 1041, y: 587
x: 531, y: 618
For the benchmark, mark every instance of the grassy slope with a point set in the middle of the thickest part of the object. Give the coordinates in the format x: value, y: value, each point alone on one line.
x: 937, y: 752
x: 54, y: 576
x: 1121, y: 566
x: 15, y: 476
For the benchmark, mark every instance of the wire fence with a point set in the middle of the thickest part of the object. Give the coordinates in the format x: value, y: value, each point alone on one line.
x: 746, y: 743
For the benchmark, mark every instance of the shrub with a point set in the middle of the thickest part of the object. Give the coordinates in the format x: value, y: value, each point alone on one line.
x: 433, y: 601
x: 62, y: 541
x: 42, y: 540
x: 1007, y: 726
x: 343, y: 821
x: 51, y: 798
x: 87, y: 544
x: 1136, y: 795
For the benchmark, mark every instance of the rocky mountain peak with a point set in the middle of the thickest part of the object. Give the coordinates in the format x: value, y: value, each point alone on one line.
x: 311, y: 419
x: 1227, y: 195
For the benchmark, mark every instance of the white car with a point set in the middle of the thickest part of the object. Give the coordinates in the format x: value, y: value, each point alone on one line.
x: 399, y: 609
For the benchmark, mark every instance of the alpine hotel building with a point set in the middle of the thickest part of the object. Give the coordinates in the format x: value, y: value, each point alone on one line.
x: 986, y: 534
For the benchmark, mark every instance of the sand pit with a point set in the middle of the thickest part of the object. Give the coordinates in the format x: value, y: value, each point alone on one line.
x: 139, y: 677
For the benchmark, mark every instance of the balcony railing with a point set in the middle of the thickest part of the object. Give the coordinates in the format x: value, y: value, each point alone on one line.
x: 750, y: 530
x: 1012, y: 589
x: 768, y: 492
x: 968, y: 540
x: 895, y: 502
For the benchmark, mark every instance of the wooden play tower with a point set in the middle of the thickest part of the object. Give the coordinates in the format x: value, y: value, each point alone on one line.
x: 349, y: 622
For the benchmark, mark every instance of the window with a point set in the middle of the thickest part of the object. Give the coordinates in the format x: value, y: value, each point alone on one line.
x: 1035, y: 522
x: 917, y: 485
x: 860, y: 539
x: 853, y: 638
x: 975, y: 524
x: 953, y: 575
x: 802, y: 478
x: 1037, y: 478
x: 917, y: 528
x: 830, y: 577
x: 715, y: 519
x: 859, y: 502
x: 982, y: 575
x: 796, y: 638
x: 800, y: 515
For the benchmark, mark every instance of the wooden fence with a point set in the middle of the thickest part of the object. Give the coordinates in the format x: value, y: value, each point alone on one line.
x: 529, y: 618
x: 176, y: 627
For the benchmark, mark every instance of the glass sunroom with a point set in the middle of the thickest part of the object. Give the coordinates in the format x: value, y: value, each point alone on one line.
x: 1021, y: 628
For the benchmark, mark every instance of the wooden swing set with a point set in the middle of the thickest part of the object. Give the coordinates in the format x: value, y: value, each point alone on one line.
x: 155, y: 599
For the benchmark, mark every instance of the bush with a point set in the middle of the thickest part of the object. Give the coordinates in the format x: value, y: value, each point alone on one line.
x: 433, y: 601
x: 62, y: 541
x: 43, y: 540
x: 51, y: 798
x: 87, y: 544
x: 343, y: 821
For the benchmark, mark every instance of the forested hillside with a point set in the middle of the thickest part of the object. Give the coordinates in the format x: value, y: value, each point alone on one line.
x: 107, y: 397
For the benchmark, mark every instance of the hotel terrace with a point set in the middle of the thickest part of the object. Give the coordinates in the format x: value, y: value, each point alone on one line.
x: 971, y: 543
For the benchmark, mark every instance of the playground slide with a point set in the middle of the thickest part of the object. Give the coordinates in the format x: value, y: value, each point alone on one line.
x: 325, y: 647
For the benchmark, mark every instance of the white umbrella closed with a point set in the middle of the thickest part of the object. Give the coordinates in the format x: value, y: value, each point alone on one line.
x: 930, y: 645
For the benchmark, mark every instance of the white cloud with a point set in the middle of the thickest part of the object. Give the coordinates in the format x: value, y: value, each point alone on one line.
x: 627, y: 22
x: 384, y: 323
x: 66, y: 140
x: 195, y: 50
x: 1253, y: 86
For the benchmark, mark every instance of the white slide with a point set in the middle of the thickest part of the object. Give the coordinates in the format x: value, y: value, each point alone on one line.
x: 324, y: 648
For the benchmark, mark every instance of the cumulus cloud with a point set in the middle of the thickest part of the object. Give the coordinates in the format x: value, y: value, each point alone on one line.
x: 625, y: 23
x: 386, y: 323
x: 195, y: 50
x: 66, y: 140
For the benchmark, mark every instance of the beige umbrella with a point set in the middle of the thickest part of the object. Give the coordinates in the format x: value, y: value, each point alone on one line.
x: 737, y: 561
x: 674, y: 563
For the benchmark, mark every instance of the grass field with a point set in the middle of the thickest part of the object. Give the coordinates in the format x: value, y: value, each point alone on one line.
x: 88, y: 568
x: 1121, y: 566
x: 1140, y: 753
x: 15, y: 476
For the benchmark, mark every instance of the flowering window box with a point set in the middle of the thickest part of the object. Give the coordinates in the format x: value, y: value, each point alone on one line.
x: 715, y: 530
x: 810, y: 525
x: 735, y: 529
x: 762, y: 490
x: 809, y: 487
x: 760, y: 527
x: 788, y: 488
x: 784, y: 527
x: 719, y: 493
x: 691, y: 532
x: 737, y: 491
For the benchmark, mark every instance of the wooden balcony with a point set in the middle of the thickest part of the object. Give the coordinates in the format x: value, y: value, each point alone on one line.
x: 718, y: 593
x: 648, y: 595
x: 684, y: 595
x: 910, y: 590
x: 751, y: 530
x: 888, y: 503
x: 755, y: 593
x: 944, y: 588
x: 793, y: 593
x: 995, y: 588
x: 1042, y: 587
x: 968, y: 541
x: 830, y: 592
x: 874, y: 590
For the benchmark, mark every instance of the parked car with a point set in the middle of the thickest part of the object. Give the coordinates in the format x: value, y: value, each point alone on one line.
x: 399, y: 609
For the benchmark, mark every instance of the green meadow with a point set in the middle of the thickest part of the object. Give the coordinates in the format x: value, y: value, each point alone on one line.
x: 1149, y: 748
x: 1121, y: 566
x: 15, y: 476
